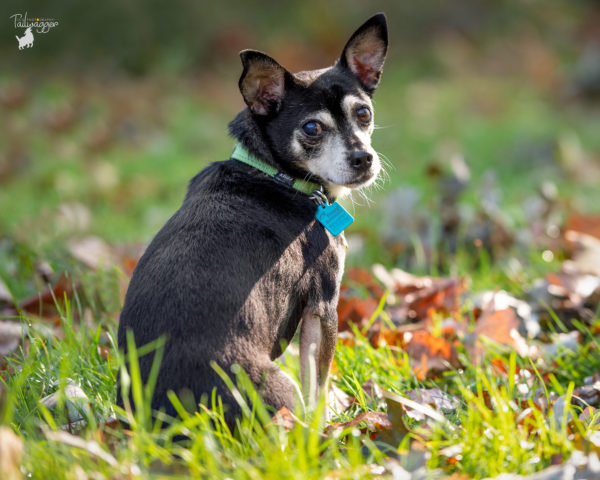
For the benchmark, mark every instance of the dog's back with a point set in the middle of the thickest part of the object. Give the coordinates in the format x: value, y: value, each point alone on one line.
x: 226, y: 280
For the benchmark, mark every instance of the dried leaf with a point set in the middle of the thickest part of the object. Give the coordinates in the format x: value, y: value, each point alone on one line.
x: 372, y: 390
x: 570, y: 294
x: 500, y: 326
x: 585, y: 252
x: 286, y: 419
x: 373, y: 422
x: 588, y: 415
x: 76, y: 403
x: 93, y: 252
x: 433, y: 354
x: 433, y: 397
x: 339, y: 401
x: 422, y: 296
x: 355, y: 311
x: 129, y: 265
x: 575, y: 286
x: 11, y: 451
x: 587, y: 224
x: 587, y: 396
x: 359, y: 471
x: 561, y: 342
x: 11, y: 334
x: 104, y: 351
x: 91, y: 447
x: 400, y: 405
x: 13, y: 96
x: 5, y: 296
x: 43, y: 304
x: 365, y: 279
x: 492, y: 300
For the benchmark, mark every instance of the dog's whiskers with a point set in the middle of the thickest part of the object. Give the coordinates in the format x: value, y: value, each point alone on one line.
x: 381, y: 127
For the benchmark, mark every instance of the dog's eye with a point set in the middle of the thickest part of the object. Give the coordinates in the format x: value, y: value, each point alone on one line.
x: 312, y: 129
x: 363, y: 114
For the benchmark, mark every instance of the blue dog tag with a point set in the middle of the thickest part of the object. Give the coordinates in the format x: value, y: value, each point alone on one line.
x: 334, y: 217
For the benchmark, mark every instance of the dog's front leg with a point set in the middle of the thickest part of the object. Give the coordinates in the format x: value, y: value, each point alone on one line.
x: 318, y: 334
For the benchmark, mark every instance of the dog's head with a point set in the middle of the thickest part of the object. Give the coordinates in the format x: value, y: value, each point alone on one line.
x: 320, y: 121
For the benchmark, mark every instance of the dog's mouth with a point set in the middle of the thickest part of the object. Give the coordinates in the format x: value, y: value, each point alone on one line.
x: 362, y: 180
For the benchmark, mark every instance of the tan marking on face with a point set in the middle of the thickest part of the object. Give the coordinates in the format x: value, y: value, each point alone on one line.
x: 332, y: 163
x: 324, y: 117
x: 350, y: 104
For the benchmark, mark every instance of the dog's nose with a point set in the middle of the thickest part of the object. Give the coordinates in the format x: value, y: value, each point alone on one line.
x: 361, y: 160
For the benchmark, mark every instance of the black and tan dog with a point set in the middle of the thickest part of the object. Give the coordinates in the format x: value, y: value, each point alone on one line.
x: 244, y: 261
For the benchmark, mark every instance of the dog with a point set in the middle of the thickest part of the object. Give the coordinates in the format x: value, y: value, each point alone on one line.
x: 26, y: 41
x: 245, y: 263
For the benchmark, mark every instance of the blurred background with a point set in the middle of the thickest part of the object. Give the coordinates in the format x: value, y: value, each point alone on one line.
x: 487, y: 113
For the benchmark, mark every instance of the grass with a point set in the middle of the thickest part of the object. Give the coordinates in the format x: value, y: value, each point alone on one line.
x: 491, y: 431
x: 127, y: 190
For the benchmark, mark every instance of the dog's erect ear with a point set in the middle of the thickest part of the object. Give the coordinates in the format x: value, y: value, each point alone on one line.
x: 365, y: 52
x: 262, y: 82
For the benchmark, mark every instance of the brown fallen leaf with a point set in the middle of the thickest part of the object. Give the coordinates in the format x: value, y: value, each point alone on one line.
x: 129, y: 265
x: 104, y: 351
x: 500, y: 326
x: 62, y: 118
x: 372, y: 390
x: 588, y: 224
x: 588, y: 416
x: 5, y: 295
x: 585, y: 253
x: 365, y: 279
x: 420, y: 297
x: 90, y: 446
x: 400, y: 405
x: 110, y: 432
x: 575, y: 286
x: 286, y: 419
x: 339, y: 401
x: 432, y: 354
x: 570, y: 294
x: 76, y: 404
x: 433, y: 397
x: 43, y: 304
x: 587, y: 396
x: 493, y: 300
x: 369, y: 422
x: 11, y: 451
x: 354, y: 310
x: 13, y: 96
x: 11, y: 334
x: 93, y: 252
x: 359, y: 471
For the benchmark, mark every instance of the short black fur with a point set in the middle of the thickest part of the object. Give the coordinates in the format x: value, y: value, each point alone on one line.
x: 230, y: 276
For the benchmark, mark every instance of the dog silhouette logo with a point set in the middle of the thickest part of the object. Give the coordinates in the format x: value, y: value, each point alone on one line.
x: 26, y: 41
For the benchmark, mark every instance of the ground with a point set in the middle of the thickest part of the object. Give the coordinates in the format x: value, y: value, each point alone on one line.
x: 490, y: 202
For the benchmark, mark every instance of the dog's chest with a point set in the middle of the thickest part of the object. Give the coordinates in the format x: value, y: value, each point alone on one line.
x: 311, y: 265
x: 307, y: 275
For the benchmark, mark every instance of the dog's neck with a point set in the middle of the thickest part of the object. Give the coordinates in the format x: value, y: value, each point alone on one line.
x: 246, y: 130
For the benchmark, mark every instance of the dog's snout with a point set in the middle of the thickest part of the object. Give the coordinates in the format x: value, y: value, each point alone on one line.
x: 361, y: 160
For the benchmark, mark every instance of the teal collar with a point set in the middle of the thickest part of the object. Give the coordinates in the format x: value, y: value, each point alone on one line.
x: 242, y: 155
x: 332, y: 216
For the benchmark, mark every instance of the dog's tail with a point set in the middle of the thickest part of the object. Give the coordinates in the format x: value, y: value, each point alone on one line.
x: 17, y: 38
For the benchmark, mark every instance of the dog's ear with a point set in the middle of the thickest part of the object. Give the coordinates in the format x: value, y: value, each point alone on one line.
x: 262, y: 82
x: 365, y: 52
